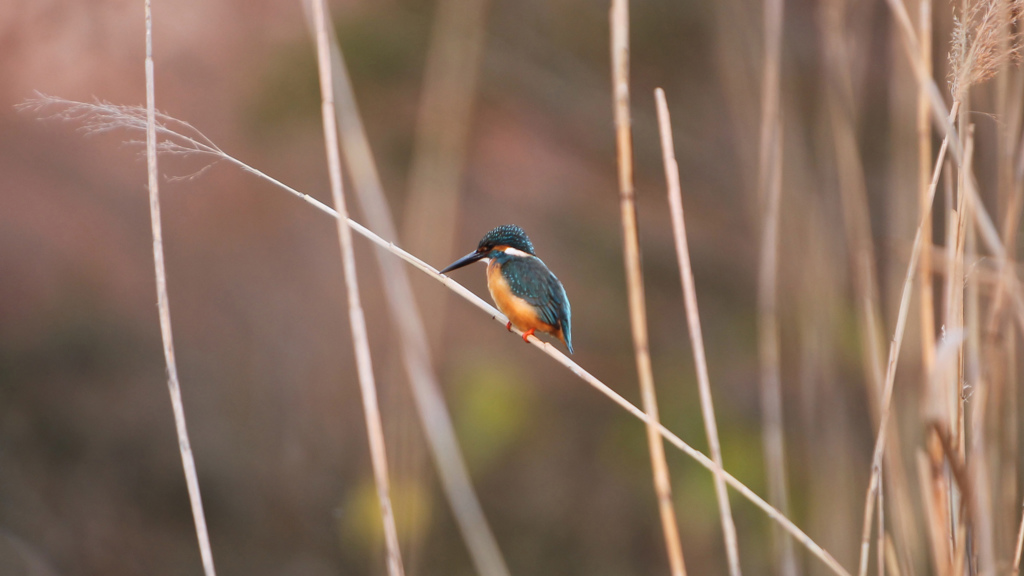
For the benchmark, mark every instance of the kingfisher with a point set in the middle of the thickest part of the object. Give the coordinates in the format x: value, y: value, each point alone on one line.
x: 521, y: 285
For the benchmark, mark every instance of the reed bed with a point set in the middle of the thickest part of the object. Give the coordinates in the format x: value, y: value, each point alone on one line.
x: 927, y: 299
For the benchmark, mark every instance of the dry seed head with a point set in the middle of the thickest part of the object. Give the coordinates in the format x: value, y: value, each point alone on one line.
x: 985, y: 36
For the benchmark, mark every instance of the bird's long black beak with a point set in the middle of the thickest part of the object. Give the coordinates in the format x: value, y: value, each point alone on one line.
x: 464, y: 261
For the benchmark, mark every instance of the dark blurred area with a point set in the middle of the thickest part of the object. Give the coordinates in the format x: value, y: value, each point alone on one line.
x: 90, y: 475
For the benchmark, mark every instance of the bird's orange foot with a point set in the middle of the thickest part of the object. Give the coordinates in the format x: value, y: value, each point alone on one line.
x: 527, y: 334
x: 508, y: 326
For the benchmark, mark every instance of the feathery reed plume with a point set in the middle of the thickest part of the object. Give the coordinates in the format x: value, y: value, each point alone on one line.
x: 978, y: 50
x: 163, y: 304
x: 619, y: 20
x: 357, y: 320
x: 105, y: 117
x: 675, y: 201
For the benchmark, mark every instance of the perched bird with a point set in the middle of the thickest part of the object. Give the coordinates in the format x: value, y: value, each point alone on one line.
x: 521, y: 285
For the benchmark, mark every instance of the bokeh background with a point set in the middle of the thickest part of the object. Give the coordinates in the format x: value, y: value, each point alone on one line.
x: 480, y: 112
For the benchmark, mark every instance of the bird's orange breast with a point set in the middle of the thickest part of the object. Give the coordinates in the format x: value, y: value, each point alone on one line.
x: 520, y: 313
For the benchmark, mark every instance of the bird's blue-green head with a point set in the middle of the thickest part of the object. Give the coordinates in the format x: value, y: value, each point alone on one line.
x: 505, y: 238
x: 508, y: 235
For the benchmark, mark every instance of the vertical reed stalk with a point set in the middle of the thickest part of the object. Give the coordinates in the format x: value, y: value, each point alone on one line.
x: 931, y: 466
x: 443, y: 124
x: 853, y: 193
x: 880, y: 532
x: 933, y: 497
x: 982, y: 520
x: 999, y: 336
x: 1020, y: 545
x: 925, y: 80
x: 163, y: 304
x: 439, y: 431
x: 924, y: 147
x: 1009, y: 457
x: 894, y: 354
x: 770, y: 197
x: 619, y: 19
x: 357, y: 322
x: 675, y: 201
x: 1011, y: 193
x: 955, y: 294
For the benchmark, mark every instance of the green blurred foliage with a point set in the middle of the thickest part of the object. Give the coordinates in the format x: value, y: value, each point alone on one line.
x: 493, y: 406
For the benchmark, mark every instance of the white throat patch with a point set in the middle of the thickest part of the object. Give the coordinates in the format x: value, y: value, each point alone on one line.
x: 516, y: 252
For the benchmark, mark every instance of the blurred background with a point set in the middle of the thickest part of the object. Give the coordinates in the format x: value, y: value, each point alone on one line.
x: 480, y: 113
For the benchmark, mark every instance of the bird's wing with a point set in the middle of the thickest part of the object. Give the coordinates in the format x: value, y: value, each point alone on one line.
x: 530, y: 279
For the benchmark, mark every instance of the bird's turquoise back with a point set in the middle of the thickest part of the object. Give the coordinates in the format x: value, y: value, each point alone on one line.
x: 529, y: 278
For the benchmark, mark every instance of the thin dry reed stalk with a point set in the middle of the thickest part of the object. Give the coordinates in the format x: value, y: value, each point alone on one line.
x: 975, y: 56
x: 924, y: 147
x: 981, y: 519
x: 880, y: 535
x: 891, y: 560
x: 853, y: 192
x: 357, y: 321
x: 1009, y: 457
x: 443, y: 123
x: 675, y: 201
x: 854, y: 197
x: 619, y: 20
x: 415, y: 349
x: 1020, y: 545
x: 894, y: 353
x: 1011, y: 194
x: 182, y: 139
x: 933, y: 497
x: 163, y: 304
x: 990, y: 237
x: 999, y: 336
x: 925, y: 80
x: 769, y: 193
x: 950, y: 378
x: 931, y: 469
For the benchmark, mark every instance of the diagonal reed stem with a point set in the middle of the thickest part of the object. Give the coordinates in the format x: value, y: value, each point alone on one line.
x: 619, y: 16
x: 357, y: 321
x: 675, y: 201
x: 163, y: 304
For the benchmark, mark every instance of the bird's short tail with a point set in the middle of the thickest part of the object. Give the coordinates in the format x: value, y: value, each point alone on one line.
x: 567, y: 335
